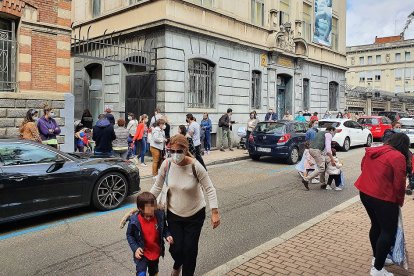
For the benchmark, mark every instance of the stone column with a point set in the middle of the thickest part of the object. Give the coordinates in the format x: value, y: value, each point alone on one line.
x: 388, y: 106
x: 369, y: 106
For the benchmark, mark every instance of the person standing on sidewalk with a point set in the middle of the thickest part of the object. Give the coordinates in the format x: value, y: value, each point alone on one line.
x: 382, y: 193
x: 251, y: 125
x: 186, y: 205
x: 319, y: 148
x: 48, y: 128
x: 183, y: 131
x: 103, y: 134
x: 157, y: 146
x: 140, y: 138
x: 194, y: 132
x: 271, y: 115
x: 156, y: 117
x: 109, y: 116
x: 396, y: 128
x: 225, y: 123
x: 28, y: 129
x: 207, y: 127
x: 120, y: 144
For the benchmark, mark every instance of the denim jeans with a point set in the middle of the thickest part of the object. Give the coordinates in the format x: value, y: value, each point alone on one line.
x: 207, y: 141
x: 144, y: 148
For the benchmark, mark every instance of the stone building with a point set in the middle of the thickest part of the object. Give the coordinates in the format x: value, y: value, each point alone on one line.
x: 206, y: 56
x: 35, y: 63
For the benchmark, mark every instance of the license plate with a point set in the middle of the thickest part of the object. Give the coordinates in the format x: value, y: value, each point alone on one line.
x: 264, y: 149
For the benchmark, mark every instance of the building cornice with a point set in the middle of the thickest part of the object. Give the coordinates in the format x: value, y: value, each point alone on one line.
x: 46, y: 27
x: 382, y: 65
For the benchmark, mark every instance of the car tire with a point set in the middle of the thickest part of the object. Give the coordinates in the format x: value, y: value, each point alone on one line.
x: 369, y: 141
x: 255, y: 157
x: 110, y: 191
x: 293, y: 157
x: 347, y: 144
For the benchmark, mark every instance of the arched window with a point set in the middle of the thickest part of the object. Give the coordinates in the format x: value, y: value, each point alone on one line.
x: 333, y: 95
x: 306, y: 94
x: 255, y: 101
x: 201, y: 89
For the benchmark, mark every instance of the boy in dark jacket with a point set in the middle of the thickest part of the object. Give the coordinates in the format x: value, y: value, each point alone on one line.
x: 145, y: 234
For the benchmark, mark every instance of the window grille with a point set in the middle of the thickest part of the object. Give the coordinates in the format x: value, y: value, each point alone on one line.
x: 201, y: 88
x: 256, y: 90
x: 8, y: 46
x: 333, y: 96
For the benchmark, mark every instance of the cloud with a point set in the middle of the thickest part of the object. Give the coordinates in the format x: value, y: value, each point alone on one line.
x: 369, y: 18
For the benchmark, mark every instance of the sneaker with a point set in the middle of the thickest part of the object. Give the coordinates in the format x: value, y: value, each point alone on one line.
x: 328, y: 187
x: 388, y: 261
x: 144, y: 165
x: 338, y: 189
x: 222, y: 149
x: 408, y: 192
x: 231, y: 149
x: 306, y: 184
x: 382, y: 272
x: 323, y: 186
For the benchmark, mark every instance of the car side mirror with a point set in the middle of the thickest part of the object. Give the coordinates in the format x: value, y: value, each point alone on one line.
x: 57, y: 165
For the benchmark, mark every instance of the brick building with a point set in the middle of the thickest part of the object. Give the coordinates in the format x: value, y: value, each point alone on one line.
x: 35, y: 63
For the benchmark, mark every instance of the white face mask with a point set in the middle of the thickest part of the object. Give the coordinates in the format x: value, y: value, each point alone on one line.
x: 163, y: 127
x: 177, y: 158
x: 129, y: 118
x: 52, y: 114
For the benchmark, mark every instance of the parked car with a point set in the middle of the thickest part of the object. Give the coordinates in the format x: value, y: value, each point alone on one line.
x: 280, y: 139
x: 407, y: 127
x: 36, y: 179
x: 377, y: 124
x: 393, y: 115
x: 349, y: 133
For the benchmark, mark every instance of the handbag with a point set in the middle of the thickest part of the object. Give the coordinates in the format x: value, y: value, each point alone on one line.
x: 399, y: 254
x: 162, y: 199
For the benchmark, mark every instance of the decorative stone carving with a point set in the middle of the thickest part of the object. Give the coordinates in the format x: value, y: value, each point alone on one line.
x: 14, y: 7
x: 387, y: 58
x: 284, y: 39
x: 353, y: 60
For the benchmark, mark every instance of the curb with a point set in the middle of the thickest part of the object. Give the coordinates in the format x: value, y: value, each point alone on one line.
x: 212, y: 163
x: 230, y: 265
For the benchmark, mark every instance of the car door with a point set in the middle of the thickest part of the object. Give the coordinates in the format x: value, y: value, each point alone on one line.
x: 350, y: 131
x: 386, y: 124
x: 35, y: 178
x: 300, y: 136
x: 360, y: 134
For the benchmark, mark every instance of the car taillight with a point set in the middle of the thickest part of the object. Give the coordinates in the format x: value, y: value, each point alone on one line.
x: 251, y: 139
x: 338, y: 130
x: 284, y: 139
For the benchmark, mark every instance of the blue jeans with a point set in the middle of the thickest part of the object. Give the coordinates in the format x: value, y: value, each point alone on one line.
x: 207, y: 141
x: 144, y: 149
x: 144, y: 264
x: 103, y: 154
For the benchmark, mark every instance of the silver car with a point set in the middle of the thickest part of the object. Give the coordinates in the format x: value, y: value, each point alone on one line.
x: 407, y: 127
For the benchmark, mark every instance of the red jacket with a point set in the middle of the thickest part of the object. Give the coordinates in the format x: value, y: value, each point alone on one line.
x: 383, y: 174
x: 139, y: 132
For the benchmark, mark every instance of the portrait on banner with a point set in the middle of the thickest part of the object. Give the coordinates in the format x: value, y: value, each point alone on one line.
x: 323, y: 22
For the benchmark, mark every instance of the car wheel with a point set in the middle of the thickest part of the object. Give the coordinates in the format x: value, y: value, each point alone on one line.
x: 347, y: 144
x: 369, y: 141
x: 293, y: 157
x: 110, y: 191
x: 255, y: 157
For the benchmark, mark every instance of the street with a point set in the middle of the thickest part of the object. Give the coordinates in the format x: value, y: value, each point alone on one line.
x: 258, y: 201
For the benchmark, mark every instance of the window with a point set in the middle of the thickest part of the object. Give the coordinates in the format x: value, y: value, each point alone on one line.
x: 397, y: 57
x: 201, y: 89
x: 407, y: 56
x: 378, y: 59
x: 398, y: 74
x: 205, y: 3
x: 21, y: 154
x: 361, y: 76
x: 284, y: 11
x: 369, y: 59
x: 361, y: 61
x: 306, y: 94
x: 96, y: 8
x: 333, y: 95
x: 377, y: 75
x: 306, y: 24
x: 369, y: 75
x: 8, y: 46
x: 407, y: 73
x: 335, y: 33
x: 257, y: 12
x: 256, y: 90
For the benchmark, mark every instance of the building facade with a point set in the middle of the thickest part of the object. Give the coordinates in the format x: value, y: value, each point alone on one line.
x: 35, y: 63
x: 208, y: 55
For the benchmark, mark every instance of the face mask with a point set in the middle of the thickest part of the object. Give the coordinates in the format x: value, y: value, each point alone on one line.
x: 52, y: 114
x: 129, y: 118
x: 397, y: 130
x: 315, y: 126
x: 35, y: 118
x: 163, y: 127
x: 251, y: 116
x: 177, y: 158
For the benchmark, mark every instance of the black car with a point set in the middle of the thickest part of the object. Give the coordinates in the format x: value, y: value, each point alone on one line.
x: 280, y: 139
x: 36, y: 179
x: 393, y: 115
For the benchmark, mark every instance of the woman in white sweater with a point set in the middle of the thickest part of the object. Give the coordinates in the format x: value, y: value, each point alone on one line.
x: 185, y: 203
x: 157, y: 144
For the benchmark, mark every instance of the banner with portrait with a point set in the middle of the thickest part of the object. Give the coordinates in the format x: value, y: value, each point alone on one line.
x: 323, y: 22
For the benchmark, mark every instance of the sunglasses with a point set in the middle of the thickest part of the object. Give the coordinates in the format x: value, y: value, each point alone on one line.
x: 176, y: 151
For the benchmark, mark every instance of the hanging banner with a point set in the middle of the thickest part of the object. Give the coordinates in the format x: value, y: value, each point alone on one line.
x: 323, y: 22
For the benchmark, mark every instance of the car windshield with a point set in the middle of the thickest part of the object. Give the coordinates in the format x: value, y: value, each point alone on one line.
x: 325, y: 124
x: 368, y: 121
x: 271, y: 128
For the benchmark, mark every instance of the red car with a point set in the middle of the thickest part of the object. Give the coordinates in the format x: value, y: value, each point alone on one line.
x: 377, y: 124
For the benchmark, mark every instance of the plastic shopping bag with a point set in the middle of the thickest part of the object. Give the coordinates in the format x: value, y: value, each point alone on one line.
x: 399, y: 251
x: 301, y: 165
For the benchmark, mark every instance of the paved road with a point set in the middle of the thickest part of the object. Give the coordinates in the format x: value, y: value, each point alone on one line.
x: 258, y: 201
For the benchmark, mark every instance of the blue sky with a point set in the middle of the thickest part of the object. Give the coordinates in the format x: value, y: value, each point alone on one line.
x: 369, y: 18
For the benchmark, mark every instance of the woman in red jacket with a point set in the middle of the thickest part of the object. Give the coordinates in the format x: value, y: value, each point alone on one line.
x: 382, y: 186
x: 141, y: 136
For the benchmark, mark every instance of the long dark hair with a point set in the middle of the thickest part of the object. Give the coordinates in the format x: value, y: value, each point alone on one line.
x: 29, y: 117
x: 401, y: 142
x: 183, y: 129
x: 86, y: 113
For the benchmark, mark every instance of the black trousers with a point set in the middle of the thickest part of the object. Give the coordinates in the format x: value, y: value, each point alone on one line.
x: 198, y: 156
x: 144, y: 264
x: 336, y: 177
x: 384, y: 224
x: 186, y: 234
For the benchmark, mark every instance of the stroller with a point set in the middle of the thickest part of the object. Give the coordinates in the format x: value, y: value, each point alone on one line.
x: 241, y: 132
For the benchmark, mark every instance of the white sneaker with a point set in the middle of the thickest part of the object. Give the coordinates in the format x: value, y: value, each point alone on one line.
x: 328, y: 187
x: 388, y: 261
x: 144, y: 165
x: 382, y: 272
x: 338, y: 189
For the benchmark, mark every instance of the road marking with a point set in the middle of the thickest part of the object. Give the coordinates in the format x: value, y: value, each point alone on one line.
x: 55, y: 224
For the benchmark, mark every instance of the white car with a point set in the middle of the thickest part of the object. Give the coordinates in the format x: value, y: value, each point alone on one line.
x: 349, y: 133
x: 407, y: 127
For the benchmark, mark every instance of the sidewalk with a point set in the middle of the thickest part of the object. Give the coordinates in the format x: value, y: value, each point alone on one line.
x: 336, y: 245
x: 215, y: 157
